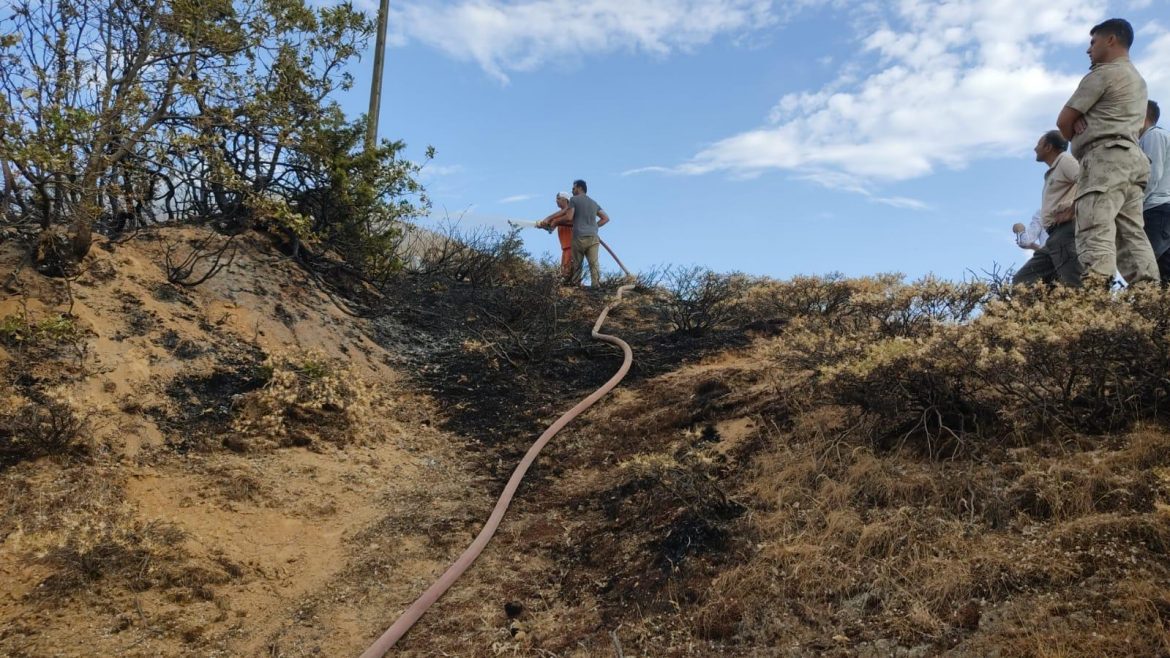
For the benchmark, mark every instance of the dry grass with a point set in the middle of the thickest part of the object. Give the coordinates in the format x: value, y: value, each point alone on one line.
x: 902, y: 490
x: 38, y: 350
x: 74, y: 524
x: 124, y: 553
x: 31, y: 429
x: 307, y: 398
x: 897, y: 548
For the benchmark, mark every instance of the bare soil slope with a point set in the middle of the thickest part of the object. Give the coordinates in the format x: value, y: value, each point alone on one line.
x: 233, y: 442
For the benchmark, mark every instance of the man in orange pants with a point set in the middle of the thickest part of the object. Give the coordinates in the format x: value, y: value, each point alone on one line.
x: 564, y: 226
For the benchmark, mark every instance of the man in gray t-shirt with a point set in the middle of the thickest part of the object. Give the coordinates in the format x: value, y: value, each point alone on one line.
x: 587, y: 217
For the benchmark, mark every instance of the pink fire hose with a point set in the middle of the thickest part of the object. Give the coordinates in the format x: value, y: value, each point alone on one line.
x: 432, y: 594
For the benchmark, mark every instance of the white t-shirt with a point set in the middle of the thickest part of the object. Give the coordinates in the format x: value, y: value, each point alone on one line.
x: 1033, y: 233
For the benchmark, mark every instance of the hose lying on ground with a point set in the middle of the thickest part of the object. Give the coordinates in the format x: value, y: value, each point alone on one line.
x: 432, y: 594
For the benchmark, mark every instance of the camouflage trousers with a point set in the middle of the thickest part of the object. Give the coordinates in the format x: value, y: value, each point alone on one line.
x: 1110, y: 229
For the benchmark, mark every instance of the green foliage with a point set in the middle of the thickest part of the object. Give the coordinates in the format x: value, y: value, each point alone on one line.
x: 312, y: 368
x: 114, y: 112
x: 356, y: 200
x: 19, y: 329
x: 13, y: 329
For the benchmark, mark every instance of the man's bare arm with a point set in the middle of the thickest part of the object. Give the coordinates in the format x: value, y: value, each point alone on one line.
x: 1070, y: 122
x: 555, y: 219
x: 604, y: 218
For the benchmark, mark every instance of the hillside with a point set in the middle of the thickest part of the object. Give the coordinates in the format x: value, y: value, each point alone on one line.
x: 813, y: 467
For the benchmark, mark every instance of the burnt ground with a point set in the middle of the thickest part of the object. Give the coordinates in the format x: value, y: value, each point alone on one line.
x: 503, y: 405
x: 698, y: 512
x: 203, y: 403
x: 649, y: 540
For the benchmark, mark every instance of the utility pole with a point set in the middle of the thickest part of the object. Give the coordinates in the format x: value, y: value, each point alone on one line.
x: 376, y: 85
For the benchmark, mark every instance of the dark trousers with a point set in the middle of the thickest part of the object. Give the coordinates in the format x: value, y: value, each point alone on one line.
x: 1157, y: 221
x: 1056, y: 261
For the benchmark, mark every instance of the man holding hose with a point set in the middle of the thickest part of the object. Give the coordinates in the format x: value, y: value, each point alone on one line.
x: 585, y: 216
x: 564, y: 226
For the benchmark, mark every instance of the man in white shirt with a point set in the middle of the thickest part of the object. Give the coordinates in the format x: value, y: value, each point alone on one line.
x: 1033, y: 236
x: 1155, y: 143
x: 1056, y: 261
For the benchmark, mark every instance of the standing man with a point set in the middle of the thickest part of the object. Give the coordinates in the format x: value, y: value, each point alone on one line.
x: 584, y: 212
x: 1057, y: 259
x: 1155, y: 142
x: 564, y: 226
x: 1102, y: 119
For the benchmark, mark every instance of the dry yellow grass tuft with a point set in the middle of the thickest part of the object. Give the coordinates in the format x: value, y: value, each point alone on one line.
x: 308, y: 397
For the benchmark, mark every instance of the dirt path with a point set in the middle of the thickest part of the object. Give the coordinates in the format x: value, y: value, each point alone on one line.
x: 267, y: 541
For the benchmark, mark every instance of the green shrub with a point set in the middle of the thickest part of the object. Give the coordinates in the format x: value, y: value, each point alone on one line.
x: 19, y: 329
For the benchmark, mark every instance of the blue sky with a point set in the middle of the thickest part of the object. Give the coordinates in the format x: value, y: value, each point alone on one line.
x: 769, y: 137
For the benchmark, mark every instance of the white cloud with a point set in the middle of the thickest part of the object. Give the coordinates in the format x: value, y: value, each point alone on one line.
x: 503, y: 36
x: 1152, y: 61
x: 841, y: 182
x: 648, y: 170
x: 902, y: 202
x: 516, y: 198
x: 432, y: 171
x: 937, y: 84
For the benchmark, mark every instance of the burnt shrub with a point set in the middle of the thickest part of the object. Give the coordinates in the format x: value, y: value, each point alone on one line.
x: 698, y: 299
x: 479, y: 256
x: 1069, y: 361
x: 884, y: 304
x: 525, y: 322
x: 35, y: 429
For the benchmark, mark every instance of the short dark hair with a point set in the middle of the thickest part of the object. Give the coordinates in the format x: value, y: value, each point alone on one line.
x: 581, y: 184
x: 1118, y: 27
x: 1056, y: 140
x: 1153, y: 112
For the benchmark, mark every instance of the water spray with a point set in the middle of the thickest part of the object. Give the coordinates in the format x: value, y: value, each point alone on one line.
x: 523, y: 223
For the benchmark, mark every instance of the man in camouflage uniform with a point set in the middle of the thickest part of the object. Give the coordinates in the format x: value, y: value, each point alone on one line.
x: 1102, y: 120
